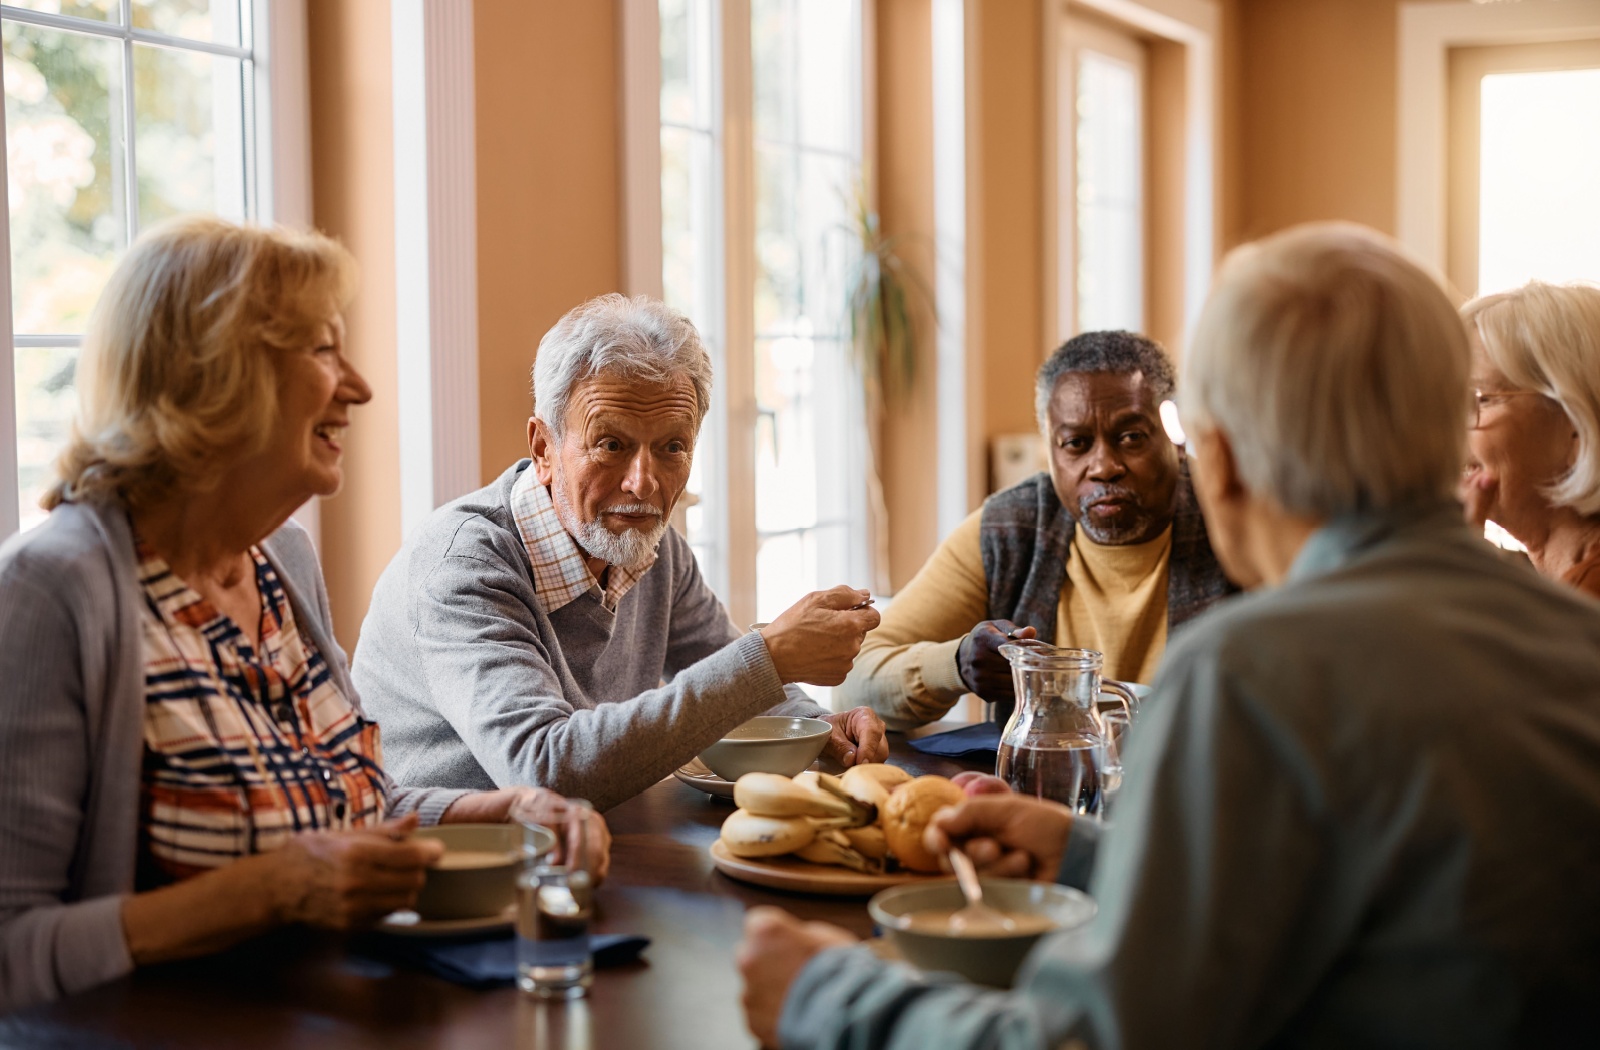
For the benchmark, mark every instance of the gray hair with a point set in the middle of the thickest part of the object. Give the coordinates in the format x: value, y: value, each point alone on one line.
x: 1119, y: 353
x: 641, y: 338
x: 1337, y: 368
x: 1546, y: 337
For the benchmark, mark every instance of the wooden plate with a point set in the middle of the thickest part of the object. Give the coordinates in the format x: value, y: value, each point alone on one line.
x: 800, y: 876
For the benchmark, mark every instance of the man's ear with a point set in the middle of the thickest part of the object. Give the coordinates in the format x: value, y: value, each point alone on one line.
x: 1214, y: 469
x: 542, y: 449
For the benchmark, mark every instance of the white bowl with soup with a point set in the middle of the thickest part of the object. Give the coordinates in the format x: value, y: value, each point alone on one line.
x: 476, y: 876
x: 916, y: 917
x: 781, y: 744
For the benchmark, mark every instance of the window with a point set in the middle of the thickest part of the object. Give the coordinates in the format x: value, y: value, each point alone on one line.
x: 1110, y: 198
x: 756, y: 247
x: 118, y: 113
x: 810, y: 436
x: 1525, y: 161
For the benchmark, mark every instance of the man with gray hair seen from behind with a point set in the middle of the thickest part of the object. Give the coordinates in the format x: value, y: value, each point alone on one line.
x: 552, y: 629
x: 1107, y: 551
x: 1362, y: 807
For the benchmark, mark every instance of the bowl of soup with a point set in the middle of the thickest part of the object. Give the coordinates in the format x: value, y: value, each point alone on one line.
x: 780, y: 744
x: 476, y: 876
x: 916, y: 920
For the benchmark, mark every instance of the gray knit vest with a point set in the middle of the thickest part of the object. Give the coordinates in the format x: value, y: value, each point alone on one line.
x: 1026, y: 537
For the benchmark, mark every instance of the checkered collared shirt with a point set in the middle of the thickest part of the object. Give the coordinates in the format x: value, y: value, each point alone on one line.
x: 560, y: 574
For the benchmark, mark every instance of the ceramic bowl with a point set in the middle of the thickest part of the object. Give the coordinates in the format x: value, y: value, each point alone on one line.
x: 477, y: 876
x: 768, y: 744
x: 983, y: 960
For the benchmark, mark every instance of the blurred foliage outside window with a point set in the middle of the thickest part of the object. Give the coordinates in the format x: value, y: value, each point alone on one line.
x: 75, y: 200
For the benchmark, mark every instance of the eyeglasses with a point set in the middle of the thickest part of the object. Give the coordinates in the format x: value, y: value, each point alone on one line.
x: 1482, y: 399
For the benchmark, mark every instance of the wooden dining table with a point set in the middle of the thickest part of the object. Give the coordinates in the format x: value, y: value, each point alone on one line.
x: 306, y: 989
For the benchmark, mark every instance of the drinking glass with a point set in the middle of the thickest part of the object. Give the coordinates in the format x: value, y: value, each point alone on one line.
x: 1114, y: 725
x: 554, y: 904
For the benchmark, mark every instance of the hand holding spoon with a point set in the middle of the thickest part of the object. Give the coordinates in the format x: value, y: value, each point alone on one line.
x: 976, y: 918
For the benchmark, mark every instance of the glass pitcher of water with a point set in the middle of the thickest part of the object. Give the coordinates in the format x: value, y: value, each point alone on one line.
x: 1053, y: 744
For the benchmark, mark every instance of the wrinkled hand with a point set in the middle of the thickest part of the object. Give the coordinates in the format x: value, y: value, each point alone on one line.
x: 1012, y: 836
x: 543, y: 806
x: 535, y: 805
x: 1477, y: 493
x: 776, y: 947
x: 983, y: 670
x: 343, y: 880
x: 816, y: 639
x: 858, y: 736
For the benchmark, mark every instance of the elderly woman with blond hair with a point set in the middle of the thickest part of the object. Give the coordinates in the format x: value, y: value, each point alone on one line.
x: 1362, y: 806
x: 186, y: 763
x: 1535, y: 426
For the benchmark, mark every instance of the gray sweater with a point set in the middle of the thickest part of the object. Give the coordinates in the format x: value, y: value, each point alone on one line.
x: 72, y: 711
x: 475, y: 685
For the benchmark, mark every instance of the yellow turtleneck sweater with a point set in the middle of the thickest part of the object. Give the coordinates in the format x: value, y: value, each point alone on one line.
x: 1113, y: 600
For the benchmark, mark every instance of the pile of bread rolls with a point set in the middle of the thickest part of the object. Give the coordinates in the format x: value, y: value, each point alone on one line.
x: 869, y: 819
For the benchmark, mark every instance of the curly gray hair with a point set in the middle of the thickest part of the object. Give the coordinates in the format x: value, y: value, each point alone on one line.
x: 640, y: 338
x: 1117, y: 353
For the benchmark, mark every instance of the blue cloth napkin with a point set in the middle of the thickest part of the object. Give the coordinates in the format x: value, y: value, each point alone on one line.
x: 982, y: 738
x: 492, y: 963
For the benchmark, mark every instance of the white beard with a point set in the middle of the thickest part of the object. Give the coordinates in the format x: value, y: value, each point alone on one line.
x: 628, y: 549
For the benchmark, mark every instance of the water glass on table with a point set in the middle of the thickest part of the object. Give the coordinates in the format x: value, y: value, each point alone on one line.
x: 554, y: 904
x: 1114, y: 734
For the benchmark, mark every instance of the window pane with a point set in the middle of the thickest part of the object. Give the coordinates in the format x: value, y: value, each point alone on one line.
x: 213, y: 20
x: 1110, y: 219
x: 827, y: 64
x: 686, y: 63
x: 1539, y: 214
x: 63, y: 130
x: 46, y: 401
x: 810, y: 482
x: 99, y: 10
x: 189, y: 139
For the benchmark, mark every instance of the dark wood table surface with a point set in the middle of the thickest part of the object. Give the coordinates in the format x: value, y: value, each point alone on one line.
x: 304, y: 989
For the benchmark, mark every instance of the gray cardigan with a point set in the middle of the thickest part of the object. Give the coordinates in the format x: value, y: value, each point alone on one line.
x: 476, y: 684
x: 72, y: 741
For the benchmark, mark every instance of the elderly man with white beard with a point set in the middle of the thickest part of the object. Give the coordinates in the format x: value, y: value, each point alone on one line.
x: 551, y: 629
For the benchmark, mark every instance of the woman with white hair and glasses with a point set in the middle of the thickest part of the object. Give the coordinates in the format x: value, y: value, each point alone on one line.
x: 1535, y: 426
x: 184, y: 762
x: 1362, y: 807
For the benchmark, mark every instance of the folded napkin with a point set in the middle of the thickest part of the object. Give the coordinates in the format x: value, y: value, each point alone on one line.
x: 982, y: 738
x: 492, y: 963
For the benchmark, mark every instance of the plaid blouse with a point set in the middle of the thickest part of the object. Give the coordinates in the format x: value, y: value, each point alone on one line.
x: 244, y: 746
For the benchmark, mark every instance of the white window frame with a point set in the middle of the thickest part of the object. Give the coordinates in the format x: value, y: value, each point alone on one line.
x: 277, y: 168
x: 1428, y: 32
x: 732, y: 418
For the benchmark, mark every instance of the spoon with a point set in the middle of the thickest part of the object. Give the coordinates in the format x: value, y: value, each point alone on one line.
x: 977, y: 917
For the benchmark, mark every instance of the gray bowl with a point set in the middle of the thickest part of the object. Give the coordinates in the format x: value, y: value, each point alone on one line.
x: 768, y: 744
x: 482, y: 889
x: 983, y: 960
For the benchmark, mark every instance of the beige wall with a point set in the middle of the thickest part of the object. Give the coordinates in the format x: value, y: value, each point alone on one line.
x: 352, y: 149
x: 904, y: 172
x: 1010, y: 83
x: 547, y: 81
x: 1317, y: 100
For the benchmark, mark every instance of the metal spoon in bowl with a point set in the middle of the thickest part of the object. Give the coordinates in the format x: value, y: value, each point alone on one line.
x: 977, y: 917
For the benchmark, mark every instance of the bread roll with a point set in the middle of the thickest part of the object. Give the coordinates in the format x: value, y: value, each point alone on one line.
x: 906, y: 816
